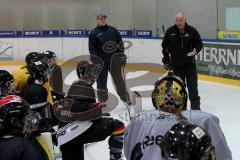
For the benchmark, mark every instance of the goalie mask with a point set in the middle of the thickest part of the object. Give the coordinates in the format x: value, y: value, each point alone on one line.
x: 169, y: 91
x: 187, y: 142
x: 6, y: 83
x: 88, y: 71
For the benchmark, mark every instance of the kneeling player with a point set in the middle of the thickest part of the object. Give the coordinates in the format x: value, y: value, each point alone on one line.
x: 145, y: 132
x: 22, y: 75
x: 73, y: 136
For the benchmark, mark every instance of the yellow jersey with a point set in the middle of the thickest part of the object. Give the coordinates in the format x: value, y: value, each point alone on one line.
x: 20, y: 79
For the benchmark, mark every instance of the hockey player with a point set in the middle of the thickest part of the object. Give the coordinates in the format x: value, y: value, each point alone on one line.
x: 73, y: 136
x: 21, y: 75
x: 187, y: 142
x: 55, y: 79
x: 34, y: 92
x: 145, y: 132
x: 13, y: 145
x: 6, y: 83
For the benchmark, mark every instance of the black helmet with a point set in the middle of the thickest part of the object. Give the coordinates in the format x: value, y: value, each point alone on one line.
x: 88, y: 71
x: 6, y: 83
x: 12, y: 111
x: 49, y: 54
x: 169, y: 91
x: 38, y: 70
x: 187, y: 142
x: 32, y: 57
x: 50, y: 58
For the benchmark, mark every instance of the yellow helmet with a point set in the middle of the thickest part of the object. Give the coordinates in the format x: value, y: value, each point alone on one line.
x: 169, y: 91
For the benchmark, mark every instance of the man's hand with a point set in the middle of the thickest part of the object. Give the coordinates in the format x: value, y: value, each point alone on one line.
x: 167, y: 63
x: 193, y: 53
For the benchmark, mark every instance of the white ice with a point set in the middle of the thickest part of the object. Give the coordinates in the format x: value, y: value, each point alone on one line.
x: 218, y: 99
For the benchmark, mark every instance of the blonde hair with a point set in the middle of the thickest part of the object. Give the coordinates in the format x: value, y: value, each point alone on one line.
x: 181, y: 118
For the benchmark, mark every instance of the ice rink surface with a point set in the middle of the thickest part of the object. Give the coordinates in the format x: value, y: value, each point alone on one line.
x: 218, y: 99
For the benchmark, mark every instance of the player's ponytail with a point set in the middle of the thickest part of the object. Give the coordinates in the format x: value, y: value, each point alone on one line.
x: 180, y: 117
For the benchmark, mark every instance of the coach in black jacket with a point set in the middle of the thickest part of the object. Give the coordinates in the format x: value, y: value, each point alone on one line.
x: 106, y: 43
x: 180, y: 45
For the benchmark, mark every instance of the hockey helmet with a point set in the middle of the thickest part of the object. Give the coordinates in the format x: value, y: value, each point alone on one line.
x: 169, y: 91
x: 187, y: 142
x: 38, y: 70
x: 6, y: 83
x: 32, y: 57
x: 49, y: 57
x: 13, y: 109
x: 88, y: 71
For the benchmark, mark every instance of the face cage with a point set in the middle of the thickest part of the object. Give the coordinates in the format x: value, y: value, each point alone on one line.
x: 37, y: 121
x: 91, y: 73
x: 51, y: 61
x: 7, y: 89
x: 31, y: 122
x: 43, y: 75
x: 168, y: 99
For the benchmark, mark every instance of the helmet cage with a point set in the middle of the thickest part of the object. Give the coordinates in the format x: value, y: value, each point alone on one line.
x: 169, y: 91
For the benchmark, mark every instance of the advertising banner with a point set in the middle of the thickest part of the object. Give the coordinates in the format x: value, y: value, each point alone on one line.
x: 225, y: 35
x: 6, y: 49
x: 220, y: 60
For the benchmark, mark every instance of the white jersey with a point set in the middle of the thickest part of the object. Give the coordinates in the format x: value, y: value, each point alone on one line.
x: 145, y: 132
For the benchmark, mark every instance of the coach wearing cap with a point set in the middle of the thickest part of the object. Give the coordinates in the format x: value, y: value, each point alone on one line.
x: 106, y: 43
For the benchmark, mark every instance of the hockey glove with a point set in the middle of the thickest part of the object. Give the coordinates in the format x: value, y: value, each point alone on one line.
x: 167, y: 63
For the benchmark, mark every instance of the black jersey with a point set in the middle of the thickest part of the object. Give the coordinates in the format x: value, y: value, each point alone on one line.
x: 83, y: 94
x: 19, y: 148
x: 34, y: 93
x: 56, y: 79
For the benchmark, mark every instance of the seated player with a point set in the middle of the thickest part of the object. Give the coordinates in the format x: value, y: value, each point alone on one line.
x: 146, y: 130
x: 14, y: 113
x: 89, y: 129
x: 187, y: 142
x: 35, y: 94
x: 56, y: 80
x: 8, y: 88
x: 21, y: 75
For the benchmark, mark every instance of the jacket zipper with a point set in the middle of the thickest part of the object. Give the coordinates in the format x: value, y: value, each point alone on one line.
x: 182, y: 39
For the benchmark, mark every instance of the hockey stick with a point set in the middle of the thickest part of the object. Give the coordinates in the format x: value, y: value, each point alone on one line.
x: 137, y: 103
x: 136, y: 107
